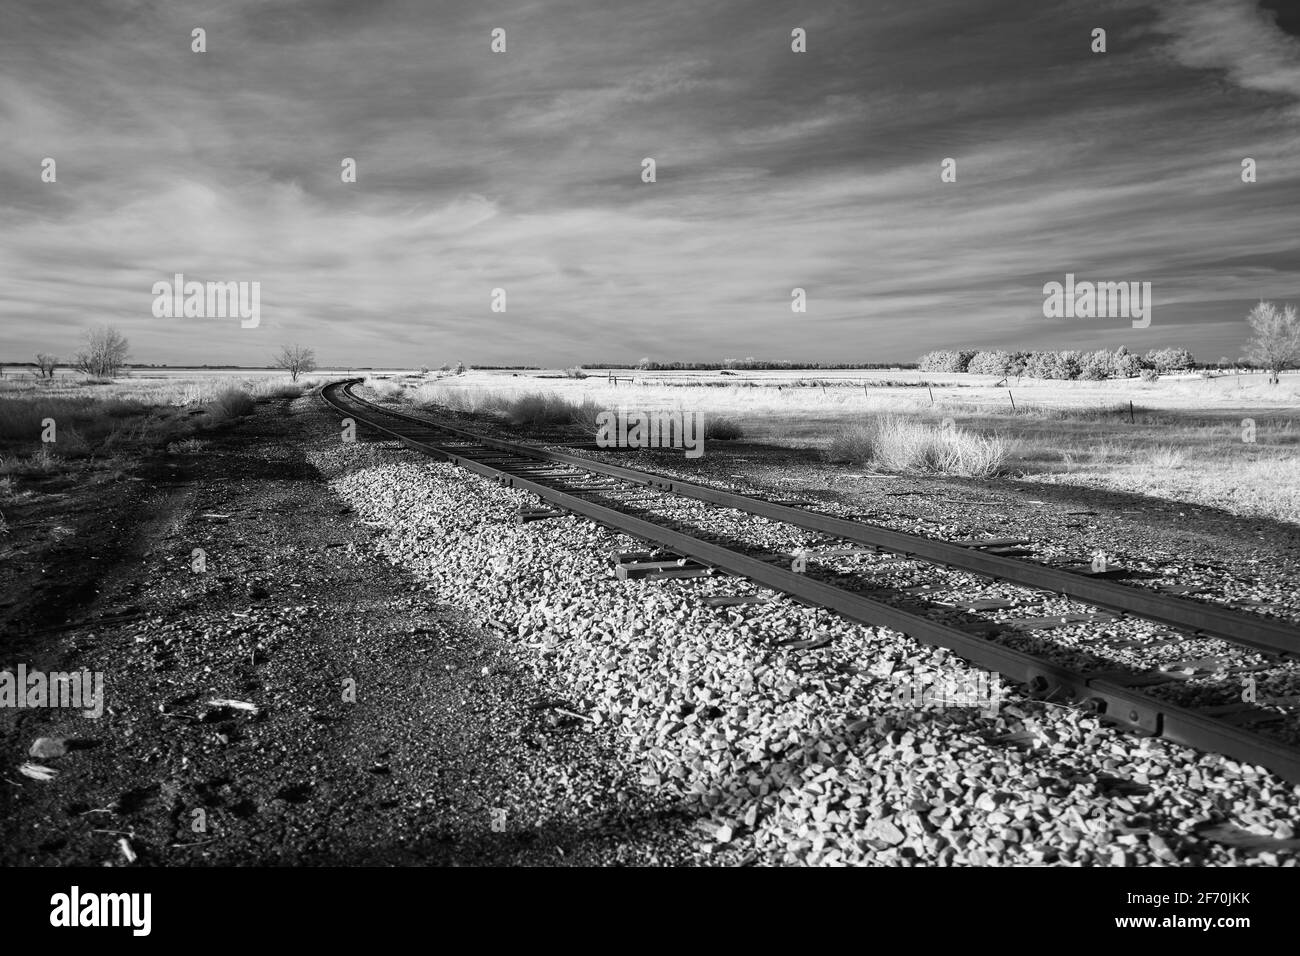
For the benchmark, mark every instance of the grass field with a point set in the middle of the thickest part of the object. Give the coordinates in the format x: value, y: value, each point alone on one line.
x: 70, y: 423
x: 1183, y: 438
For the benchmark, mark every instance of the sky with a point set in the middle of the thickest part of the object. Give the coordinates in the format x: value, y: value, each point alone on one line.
x: 522, y: 171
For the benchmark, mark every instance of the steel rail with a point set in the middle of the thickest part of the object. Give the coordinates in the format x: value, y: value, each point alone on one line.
x: 1103, y: 695
x: 1274, y: 637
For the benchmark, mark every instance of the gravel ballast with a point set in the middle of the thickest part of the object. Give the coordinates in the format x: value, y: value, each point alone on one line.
x: 825, y: 753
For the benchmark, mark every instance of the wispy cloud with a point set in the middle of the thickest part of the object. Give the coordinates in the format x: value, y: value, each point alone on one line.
x: 522, y: 171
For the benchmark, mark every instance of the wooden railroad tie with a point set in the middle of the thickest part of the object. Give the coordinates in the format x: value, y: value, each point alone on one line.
x: 655, y: 570
x: 732, y: 600
x: 537, y: 514
x: 979, y: 604
x: 989, y: 542
x: 1060, y: 620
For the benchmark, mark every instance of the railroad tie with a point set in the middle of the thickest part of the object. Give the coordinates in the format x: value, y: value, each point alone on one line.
x: 526, y: 515
x: 732, y: 600
x: 1060, y: 620
x: 655, y: 570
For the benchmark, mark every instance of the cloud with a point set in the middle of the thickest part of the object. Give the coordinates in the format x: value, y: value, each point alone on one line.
x: 522, y: 171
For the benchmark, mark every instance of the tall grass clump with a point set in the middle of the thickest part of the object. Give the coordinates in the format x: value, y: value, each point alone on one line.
x: 275, y: 389
x: 230, y: 404
x: 722, y: 428
x: 547, y: 410
x: 895, y: 444
x: 387, y: 390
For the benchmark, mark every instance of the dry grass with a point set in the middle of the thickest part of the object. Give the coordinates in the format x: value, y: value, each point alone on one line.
x: 723, y: 428
x: 96, y: 422
x: 894, y: 444
x: 231, y: 403
x: 533, y: 409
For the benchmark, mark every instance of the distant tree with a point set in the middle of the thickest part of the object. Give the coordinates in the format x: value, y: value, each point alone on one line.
x: 1274, y: 343
x: 296, y: 360
x: 1169, y: 360
x: 105, y: 353
x: 644, y: 362
x: 460, y: 368
x: 995, y: 362
x: 1124, y: 364
x: 945, y: 360
x: 1064, y: 364
x: 46, y: 364
x: 1096, y: 366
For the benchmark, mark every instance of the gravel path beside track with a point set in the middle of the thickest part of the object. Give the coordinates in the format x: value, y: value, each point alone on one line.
x: 814, y: 754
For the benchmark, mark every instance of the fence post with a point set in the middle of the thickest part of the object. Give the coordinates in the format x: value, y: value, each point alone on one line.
x: 1013, y: 399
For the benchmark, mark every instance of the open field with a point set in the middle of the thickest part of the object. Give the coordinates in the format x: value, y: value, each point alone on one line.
x: 1182, y: 438
x: 55, y: 425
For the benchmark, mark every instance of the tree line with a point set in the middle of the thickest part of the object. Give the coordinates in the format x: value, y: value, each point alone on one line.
x: 1059, y: 364
x: 1273, y: 345
x: 750, y: 364
x: 105, y: 352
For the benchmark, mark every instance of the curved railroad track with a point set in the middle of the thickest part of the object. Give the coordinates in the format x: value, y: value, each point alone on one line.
x: 627, y: 500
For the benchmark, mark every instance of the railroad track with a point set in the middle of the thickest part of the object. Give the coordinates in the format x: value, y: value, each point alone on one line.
x: 626, y: 499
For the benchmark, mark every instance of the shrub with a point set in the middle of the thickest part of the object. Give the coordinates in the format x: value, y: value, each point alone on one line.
x: 71, y: 444
x: 387, y: 391
x: 231, y: 403
x: 279, y: 389
x: 1150, y: 375
x: 896, y: 444
x: 722, y: 428
x: 575, y: 372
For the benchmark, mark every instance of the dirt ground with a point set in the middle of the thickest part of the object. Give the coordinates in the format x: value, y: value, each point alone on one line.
x: 388, y: 729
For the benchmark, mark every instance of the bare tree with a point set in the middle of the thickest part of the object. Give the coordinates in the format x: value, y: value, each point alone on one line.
x: 1274, y: 344
x: 105, y: 353
x: 295, y: 359
x: 46, y: 364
